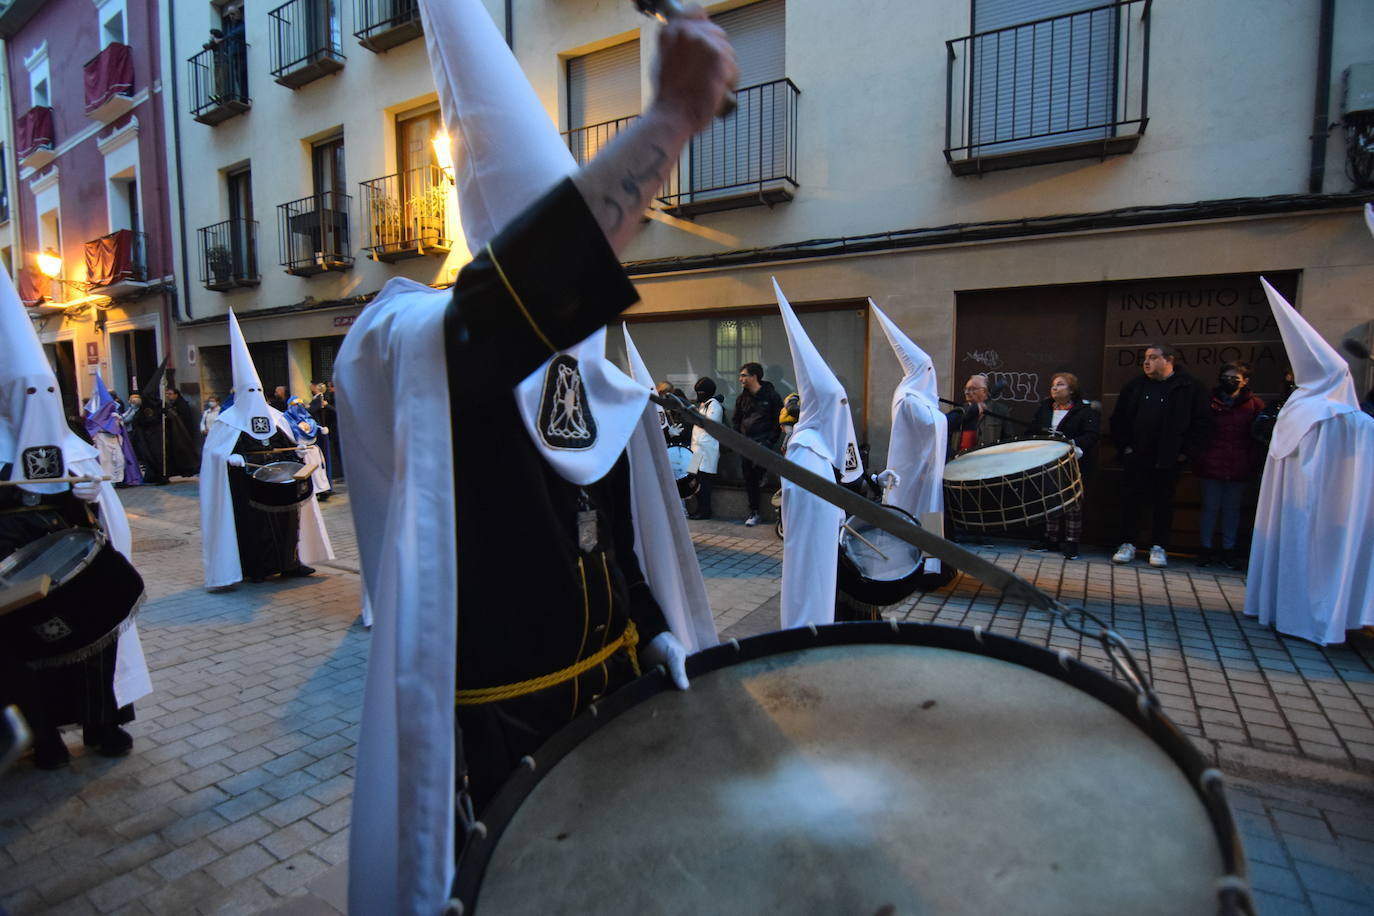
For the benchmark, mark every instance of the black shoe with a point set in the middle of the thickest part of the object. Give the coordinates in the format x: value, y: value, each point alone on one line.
x: 699, y: 516
x: 1233, y: 559
x: 1071, y: 550
x: 50, y: 751
x: 1205, y: 557
x: 108, y: 740
x: 299, y: 572
x: 322, y: 497
x: 1044, y: 543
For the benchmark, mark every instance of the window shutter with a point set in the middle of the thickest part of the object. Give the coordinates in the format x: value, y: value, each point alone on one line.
x: 603, y: 85
x: 756, y: 31
x: 1056, y: 78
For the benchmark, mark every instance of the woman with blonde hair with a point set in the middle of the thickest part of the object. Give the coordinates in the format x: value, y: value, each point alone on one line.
x: 1066, y: 415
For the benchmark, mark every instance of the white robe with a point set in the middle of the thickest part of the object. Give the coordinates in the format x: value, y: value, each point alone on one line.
x: 705, y: 447
x: 218, y: 532
x: 917, y: 455
x: 1311, y: 568
x: 111, y: 449
x: 811, y: 548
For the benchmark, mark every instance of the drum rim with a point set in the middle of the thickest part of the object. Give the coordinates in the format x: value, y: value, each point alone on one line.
x: 274, y: 464
x: 879, y: 590
x: 1067, y: 452
x: 1204, y: 779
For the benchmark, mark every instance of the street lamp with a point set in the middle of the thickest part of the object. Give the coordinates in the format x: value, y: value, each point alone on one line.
x: 443, y: 154
x: 50, y: 263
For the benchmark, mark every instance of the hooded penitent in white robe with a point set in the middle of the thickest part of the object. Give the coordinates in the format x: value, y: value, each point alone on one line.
x: 250, y: 413
x: 34, y: 434
x: 919, y: 432
x: 507, y: 154
x: 823, y: 442
x: 1312, y: 558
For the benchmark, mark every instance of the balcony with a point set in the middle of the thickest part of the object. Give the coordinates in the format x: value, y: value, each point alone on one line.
x: 219, y: 81
x: 33, y: 137
x: 746, y: 159
x: 384, y: 24
x: 306, y: 41
x: 314, y: 234
x: 1065, y: 87
x: 586, y: 142
x: 406, y: 215
x: 229, y: 254
x: 117, y: 264
x: 109, y: 81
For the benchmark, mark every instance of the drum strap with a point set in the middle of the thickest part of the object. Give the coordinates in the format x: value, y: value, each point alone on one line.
x: 628, y: 640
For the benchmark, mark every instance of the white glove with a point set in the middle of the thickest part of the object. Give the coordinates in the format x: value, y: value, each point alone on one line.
x: 235, y: 460
x: 665, y: 650
x: 86, y: 490
x: 675, y: 429
x: 887, y: 479
x: 1077, y: 452
x: 325, y: 430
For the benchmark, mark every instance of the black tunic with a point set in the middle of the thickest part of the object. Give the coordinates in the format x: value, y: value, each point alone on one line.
x: 530, y: 601
x: 82, y: 692
x: 267, y: 540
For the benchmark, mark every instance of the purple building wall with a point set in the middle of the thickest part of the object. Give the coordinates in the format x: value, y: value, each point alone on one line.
x: 72, y: 32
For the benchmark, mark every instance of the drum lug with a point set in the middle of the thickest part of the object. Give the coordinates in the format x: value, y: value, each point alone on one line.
x: 454, y: 907
x: 734, y: 644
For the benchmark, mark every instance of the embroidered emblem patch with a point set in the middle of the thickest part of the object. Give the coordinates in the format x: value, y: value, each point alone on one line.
x: 42, y: 462
x: 565, y: 417
x: 261, y: 426
x: 52, y: 630
x: 851, y: 459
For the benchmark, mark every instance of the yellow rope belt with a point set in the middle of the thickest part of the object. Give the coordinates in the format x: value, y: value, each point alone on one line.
x: 627, y: 641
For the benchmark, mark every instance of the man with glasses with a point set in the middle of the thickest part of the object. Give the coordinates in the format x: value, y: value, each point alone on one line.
x: 973, y: 425
x: 755, y: 416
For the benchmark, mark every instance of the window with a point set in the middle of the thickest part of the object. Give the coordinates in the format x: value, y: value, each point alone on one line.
x: 603, y: 95
x: 737, y: 341
x: 327, y: 166
x: 112, y: 17
x: 40, y: 89
x: 241, y: 230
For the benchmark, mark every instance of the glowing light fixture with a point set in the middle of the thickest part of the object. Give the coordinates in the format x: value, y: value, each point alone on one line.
x: 50, y: 263
x: 443, y: 154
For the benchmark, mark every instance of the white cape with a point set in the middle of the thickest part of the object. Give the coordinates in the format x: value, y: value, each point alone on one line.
x: 218, y: 533
x: 811, y: 546
x: 1312, y: 558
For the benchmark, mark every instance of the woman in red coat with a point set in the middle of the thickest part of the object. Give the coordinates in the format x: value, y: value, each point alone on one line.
x: 1228, y: 463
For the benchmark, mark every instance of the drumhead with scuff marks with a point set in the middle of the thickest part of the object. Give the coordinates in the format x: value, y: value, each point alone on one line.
x: 1005, y: 458
x: 861, y: 779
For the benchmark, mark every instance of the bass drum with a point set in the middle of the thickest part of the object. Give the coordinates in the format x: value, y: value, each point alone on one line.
x: 877, y: 568
x: 863, y: 768
x: 1011, y: 484
x: 94, y: 591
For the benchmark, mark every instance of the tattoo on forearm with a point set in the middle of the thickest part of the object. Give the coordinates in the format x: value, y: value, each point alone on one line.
x: 615, y: 212
x: 636, y: 185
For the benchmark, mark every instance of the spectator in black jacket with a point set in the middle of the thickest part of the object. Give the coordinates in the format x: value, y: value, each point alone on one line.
x: 1161, y: 421
x: 756, y: 416
x: 1064, y: 413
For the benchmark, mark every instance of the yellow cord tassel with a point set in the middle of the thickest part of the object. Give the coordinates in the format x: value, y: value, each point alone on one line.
x: 628, y: 641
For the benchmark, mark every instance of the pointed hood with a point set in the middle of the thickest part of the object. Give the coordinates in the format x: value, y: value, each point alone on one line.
x: 250, y: 413
x: 917, y: 366
x: 102, y: 414
x: 1369, y: 217
x: 1325, y: 388
x: 640, y: 371
x: 826, y: 425
x: 578, y: 408
x: 34, y: 436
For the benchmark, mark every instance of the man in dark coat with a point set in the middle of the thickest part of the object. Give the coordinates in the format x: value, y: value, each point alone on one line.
x: 1161, y: 421
x: 756, y: 416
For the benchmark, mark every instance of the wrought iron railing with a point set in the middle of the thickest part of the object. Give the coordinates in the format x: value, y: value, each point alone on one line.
x: 314, y: 233
x: 382, y: 24
x: 229, y: 254
x: 1061, y: 87
x: 750, y: 154
x: 307, y: 41
x: 219, y: 81
x: 586, y: 142
x: 406, y: 213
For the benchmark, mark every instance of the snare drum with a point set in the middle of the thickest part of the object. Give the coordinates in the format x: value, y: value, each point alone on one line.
x: 877, y: 567
x: 1011, y: 484
x: 680, y: 459
x: 274, y: 487
x: 863, y: 768
x: 94, y: 591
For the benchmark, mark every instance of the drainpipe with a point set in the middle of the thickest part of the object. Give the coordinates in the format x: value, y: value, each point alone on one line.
x: 1321, y: 110
x: 510, y: 28
x: 11, y: 167
x: 184, y: 288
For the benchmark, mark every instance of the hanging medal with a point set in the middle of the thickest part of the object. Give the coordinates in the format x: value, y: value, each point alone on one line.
x: 586, y: 523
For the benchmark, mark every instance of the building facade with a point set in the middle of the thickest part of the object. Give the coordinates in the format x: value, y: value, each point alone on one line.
x: 308, y: 177
x: 85, y: 165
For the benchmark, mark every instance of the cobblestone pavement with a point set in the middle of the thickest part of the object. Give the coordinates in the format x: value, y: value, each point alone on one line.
x: 237, y: 793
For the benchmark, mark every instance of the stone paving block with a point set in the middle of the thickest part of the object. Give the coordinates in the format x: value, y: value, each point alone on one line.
x: 293, y: 783
x: 182, y: 895
x: 240, y: 864
x: 285, y: 877
x: 240, y: 833
x: 197, y: 801
x: 192, y: 827
x: 185, y: 858
x: 291, y: 810
x: 335, y: 817
x: 1323, y: 905
x: 1279, y: 880
x: 331, y: 790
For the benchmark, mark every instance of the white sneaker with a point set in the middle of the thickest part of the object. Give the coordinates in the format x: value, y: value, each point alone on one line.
x: 1124, y: 554
x: 1158, y: 558
x: 752, y: 520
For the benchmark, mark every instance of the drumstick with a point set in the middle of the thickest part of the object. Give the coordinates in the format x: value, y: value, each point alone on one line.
x: 13, y: 597
x: 19, y: 483
x: 870, y: 544
x: 304, y: 472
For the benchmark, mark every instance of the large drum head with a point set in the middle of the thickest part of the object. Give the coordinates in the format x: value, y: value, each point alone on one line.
x: 1005, y: 458
x: 60, y: 556
x: 861, y: 779
x: 278, y: 472
x: 877, y: 567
